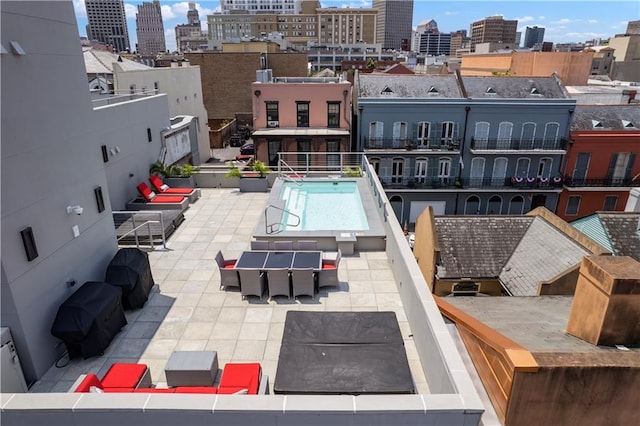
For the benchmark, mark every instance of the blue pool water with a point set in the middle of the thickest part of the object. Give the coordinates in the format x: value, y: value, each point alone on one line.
x: 324, y: 206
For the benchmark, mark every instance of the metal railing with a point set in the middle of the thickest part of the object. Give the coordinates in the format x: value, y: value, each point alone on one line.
x: 288, y: 177
x: 594, y: 182
x: 268, y: 227
x: 319, y: 163
x: 125, y: 229
x: 441, y: 144
x: 518, y: 144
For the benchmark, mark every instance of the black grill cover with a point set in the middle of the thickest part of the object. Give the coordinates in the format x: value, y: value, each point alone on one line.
x: 89, y: 319
x: 130, y: 270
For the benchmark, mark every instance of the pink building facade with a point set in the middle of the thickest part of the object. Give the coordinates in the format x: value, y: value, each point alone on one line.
x: 301, y: 115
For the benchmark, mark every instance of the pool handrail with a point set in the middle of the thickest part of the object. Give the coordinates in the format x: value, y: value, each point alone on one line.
x: 288, y: 177
x: 268, y: 227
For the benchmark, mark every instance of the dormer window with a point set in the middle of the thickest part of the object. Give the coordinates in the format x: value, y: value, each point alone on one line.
x: 596, y: 124
x: 627, y: 124
x: 535, y: 91
x: 386, y: 91
x: 433, y: 91
x: 490, y: 91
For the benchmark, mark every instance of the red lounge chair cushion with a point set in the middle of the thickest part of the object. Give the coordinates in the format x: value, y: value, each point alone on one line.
x: 196, y: 389
x: 230, y: 264
x: 164, y: 189
x: 328, y: 265
x: 90, y: 380
x: 123, y: 375
x: 240, y: 376
x: 154, y: 390
x: 168, y: 199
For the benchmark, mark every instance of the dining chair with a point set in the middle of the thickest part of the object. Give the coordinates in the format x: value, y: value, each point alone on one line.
x: 278, y: 282
x: 228, y: 273
x: 328, y: 275
x: 251, y: 282
x: 307, y: 245
x: 259, y: 245
x: 303, y: 282
x: 283, y: 245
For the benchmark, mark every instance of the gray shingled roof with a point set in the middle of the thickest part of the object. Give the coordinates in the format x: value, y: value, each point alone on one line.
x: 623, y: 232
x: 609, y: 116
x: 513, y: 87
x: 101, y: 62
x: 477, y: 247
x: 543, y: 252
x: 408, y: 86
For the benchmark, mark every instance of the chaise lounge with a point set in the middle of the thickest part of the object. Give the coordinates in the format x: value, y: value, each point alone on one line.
x: 164, y: 189
x: 152, y: 201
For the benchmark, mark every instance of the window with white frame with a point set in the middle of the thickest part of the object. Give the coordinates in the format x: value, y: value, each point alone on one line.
x: 375, y: 165
x: 499, y: 171
x: 477, y: 170
x: 375, y: 129
x: 544, y: 167
x: 444, y: 169
x: 423, y: 133
x: 397, y: 170
x: 621, y: 164
x: 528, y: 132
x: 522, y: 167
x: 551, y: 132
x: 504, y: 134
x: 400, y: 130
x: 481, y: 135
x: 421, y: 170
x: 573, y: 205
x: 448, y: 132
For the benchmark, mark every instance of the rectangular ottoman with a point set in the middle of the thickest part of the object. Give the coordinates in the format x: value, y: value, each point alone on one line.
x: 192, y: 368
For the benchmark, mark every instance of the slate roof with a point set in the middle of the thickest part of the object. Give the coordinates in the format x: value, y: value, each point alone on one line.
x: 609, y: 116
x: 620, y: 229
x: 101, y: 62
x: 408, y: 86
x: 514, y: 87
x: 543, y: 252
x: 477, y: 247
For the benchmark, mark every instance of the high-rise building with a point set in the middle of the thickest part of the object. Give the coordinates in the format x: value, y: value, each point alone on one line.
x: 395, y: 18
x: 459, y: 40
x: 494, y: 29
x: 108, y: 23
x: 190, y: 37
x: 150, y: 29
x: 533, y: 35
x: 284, y: 7
x: 347, y: 25
x: 633, y: 28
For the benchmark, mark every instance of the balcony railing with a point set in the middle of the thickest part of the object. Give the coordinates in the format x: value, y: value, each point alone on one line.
x: 518, y: 144
x: 446, y: 144
x: 595, y: 182
x: 451, y: 182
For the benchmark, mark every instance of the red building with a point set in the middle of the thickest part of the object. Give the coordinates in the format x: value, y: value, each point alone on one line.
x: 601, y: 163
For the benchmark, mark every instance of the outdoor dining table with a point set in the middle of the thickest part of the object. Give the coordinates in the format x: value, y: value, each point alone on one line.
x: 264, y: 260
x: 252, y: 260
x: 279, y: 260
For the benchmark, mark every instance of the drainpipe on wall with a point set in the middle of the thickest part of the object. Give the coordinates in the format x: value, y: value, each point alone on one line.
x: 460, y: 162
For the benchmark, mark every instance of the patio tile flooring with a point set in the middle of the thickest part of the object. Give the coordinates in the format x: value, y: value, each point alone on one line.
x: 187, y: 310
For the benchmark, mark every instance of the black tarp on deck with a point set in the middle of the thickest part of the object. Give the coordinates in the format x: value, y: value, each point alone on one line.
x: 130, y: 270
x: 89, y: 319
x: 342, y: 353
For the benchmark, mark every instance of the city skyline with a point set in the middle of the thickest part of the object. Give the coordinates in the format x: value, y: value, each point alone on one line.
x: 564, y: 21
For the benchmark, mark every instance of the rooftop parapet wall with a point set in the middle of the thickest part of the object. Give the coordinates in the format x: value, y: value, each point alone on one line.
x: 606, y: 306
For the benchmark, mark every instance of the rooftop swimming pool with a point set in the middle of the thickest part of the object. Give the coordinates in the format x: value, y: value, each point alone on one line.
x: 323, y: 206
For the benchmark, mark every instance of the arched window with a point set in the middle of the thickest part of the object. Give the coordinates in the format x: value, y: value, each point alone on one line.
x: 551, y: 133
x: 499, y: 171
x: 448, y: 132
x: 481, y: 135
x: 397, y: 170
x: 375, y: 165
x: 444, y: 169
x: 504, y: 135
x: 420, y: 175
x: 400, y: 131
x: 495, y: 205
x: 376, y: 131
x: 528, y: 135
x: 397, y: 204
x: 477, y: 171
x: 522, y: 167
x: 516, y: 205
x: 472, y: 205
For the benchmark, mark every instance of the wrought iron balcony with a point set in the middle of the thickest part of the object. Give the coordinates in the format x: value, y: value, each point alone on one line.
x: 447, y: 144
x: 518, y: 144
x: 595, y: 182
x: 511, y: 182
x: 418, y: 183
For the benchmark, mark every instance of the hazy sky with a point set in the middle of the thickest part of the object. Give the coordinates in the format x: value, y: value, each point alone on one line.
x: 565, y: 21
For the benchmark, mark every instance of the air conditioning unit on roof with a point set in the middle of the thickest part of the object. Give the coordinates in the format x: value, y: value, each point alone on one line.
x: 273, y: 123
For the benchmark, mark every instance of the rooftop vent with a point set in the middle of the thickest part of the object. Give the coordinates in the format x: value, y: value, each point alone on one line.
x: 596, y: 124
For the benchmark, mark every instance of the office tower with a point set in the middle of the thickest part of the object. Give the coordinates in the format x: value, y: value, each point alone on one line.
x: 190, y: 37
x: 533, y: 36
x: 108, y: 23
x: 150, y: 29
x: 395, y: 18
x: 285, y: 7
x: 633, y: 28
x: 459, y: 40
x: 493, y: 29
